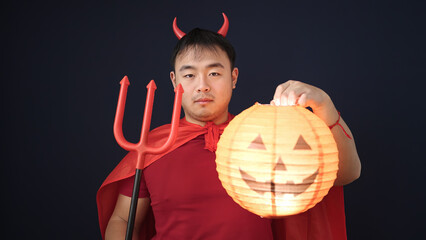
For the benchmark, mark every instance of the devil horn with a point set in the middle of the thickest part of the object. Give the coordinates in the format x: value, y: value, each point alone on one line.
x: 179, y: 34
x: 224, y: 29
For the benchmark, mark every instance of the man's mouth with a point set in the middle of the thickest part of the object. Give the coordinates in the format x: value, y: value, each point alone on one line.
x: 203, y: 100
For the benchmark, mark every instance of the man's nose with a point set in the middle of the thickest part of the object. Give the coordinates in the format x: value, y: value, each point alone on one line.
x: 203, y: 85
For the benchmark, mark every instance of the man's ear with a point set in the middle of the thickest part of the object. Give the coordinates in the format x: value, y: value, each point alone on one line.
x: 234, y: 76
x: 173, y: 78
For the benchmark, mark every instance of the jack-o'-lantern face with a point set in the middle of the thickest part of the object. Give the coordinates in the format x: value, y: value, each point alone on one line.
x: 277, y: 161
x: 276, y: 188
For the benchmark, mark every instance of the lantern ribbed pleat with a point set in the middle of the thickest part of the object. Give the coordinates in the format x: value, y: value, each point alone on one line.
x: 277, y: 160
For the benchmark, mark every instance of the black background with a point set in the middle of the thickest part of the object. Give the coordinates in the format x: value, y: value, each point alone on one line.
x: 62, y: 62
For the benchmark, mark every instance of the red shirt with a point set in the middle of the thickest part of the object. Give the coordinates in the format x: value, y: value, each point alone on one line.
x: 189, y: 202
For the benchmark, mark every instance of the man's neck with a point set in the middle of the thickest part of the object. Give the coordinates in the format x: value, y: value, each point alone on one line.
x: 216, y: 121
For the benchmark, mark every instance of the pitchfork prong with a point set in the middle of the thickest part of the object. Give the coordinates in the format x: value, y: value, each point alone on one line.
x: 118, y: 121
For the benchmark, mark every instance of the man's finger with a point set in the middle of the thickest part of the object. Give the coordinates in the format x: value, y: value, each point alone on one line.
x: 281, y: 88
x: 284, y: 99
x: 302, y: 100
x: 292, y: 98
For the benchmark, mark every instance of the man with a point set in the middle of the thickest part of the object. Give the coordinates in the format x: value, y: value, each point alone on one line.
x: 181, y: 187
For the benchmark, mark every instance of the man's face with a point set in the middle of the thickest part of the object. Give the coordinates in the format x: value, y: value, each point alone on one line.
x: 207, y: 80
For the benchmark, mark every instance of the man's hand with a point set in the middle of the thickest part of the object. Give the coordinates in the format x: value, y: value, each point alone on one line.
x: 298, y: 93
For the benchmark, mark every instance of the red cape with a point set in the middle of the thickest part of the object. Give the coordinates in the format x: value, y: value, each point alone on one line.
x: 325, y: 221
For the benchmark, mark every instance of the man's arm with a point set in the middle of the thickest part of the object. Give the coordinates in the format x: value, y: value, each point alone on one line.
x: 117, y: 225
x: 298, y: 93
x: 349, y: 162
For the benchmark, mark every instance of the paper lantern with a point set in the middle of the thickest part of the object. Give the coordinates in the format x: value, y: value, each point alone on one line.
x: 277, y: 160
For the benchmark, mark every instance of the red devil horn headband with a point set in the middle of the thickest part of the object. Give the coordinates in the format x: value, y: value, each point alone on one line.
x: 222, y: 31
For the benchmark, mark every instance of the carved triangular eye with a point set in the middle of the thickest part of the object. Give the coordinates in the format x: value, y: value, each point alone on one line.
x: 257, y: 143
x: 301, y: 144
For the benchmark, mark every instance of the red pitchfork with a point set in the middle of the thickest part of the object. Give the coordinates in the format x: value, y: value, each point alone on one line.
x: 142, y: 147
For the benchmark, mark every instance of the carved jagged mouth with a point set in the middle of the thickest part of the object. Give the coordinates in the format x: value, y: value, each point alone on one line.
x: 278, y: 189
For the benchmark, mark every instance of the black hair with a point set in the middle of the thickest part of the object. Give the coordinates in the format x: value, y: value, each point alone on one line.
x: 205, y: 39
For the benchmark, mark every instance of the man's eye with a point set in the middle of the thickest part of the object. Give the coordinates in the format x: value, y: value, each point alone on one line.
x: 214, y: 74
x: 188, y: 75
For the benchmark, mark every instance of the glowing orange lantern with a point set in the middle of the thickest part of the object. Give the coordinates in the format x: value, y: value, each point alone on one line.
x: 276, y: 160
